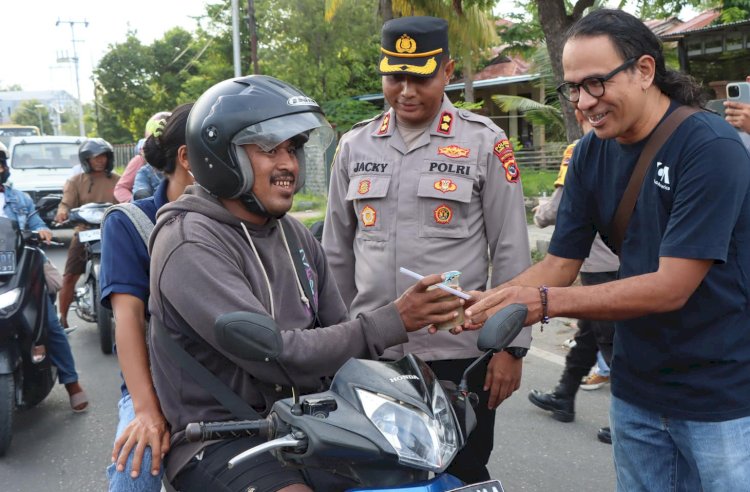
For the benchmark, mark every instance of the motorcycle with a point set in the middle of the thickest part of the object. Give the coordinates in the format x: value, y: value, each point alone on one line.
x: 26, y: 373
x: 384, y: 425
x: 87, y: 293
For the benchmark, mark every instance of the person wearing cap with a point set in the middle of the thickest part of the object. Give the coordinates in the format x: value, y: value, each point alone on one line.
x: 124, y: 187
x: 431, y: 188
x: 227, y: 245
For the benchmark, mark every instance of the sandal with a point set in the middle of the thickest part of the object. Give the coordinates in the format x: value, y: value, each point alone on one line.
x: 79, y: 402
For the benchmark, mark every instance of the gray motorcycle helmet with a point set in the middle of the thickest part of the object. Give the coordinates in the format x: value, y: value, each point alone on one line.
x: 256, y: 109
x: 93, y: 147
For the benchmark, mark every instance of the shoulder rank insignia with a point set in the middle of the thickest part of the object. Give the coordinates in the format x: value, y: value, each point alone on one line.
x: 384, y: 125
x: 443, y: 214
x: 445, y: 123
x: 368, y: 216
x: 445, y: 185
x: 364, y: 187
x: 453, y: 151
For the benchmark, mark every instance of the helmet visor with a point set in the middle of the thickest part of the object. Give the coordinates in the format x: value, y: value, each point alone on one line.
x: 312, y: 127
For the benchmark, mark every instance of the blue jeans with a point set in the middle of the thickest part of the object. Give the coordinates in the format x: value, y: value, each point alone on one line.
x: 657, y: 453
x: 121, y: 481
x: 58, y: 347
x: 602, y: 368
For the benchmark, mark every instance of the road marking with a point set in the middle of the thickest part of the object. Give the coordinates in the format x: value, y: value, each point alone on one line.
x: 548, y: 356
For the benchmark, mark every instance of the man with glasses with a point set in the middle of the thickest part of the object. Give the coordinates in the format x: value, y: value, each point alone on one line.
x: 680, y: 410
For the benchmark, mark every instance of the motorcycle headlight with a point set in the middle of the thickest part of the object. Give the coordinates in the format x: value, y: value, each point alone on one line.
x: 420, y: 440
x: 9, y: 299
x: 92, y: 215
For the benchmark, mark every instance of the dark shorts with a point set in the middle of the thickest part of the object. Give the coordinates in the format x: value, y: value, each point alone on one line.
x: 264, y: 473
x: 76, y: 262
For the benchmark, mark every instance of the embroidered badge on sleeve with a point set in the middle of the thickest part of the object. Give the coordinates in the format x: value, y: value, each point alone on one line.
x: 504, y: 151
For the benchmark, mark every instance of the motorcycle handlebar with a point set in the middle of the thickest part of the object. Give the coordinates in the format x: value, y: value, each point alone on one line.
x: 208, y: 431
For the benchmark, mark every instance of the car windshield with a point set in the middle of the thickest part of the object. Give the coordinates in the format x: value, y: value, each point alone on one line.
x: 44, y: 155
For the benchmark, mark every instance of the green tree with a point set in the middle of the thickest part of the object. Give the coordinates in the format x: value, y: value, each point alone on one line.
x: 34, y: 113
x: 135, y: 81
x: 327, y: 60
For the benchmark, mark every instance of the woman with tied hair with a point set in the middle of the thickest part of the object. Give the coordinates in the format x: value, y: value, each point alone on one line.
x: 124, y: 188
x: 142, y: 433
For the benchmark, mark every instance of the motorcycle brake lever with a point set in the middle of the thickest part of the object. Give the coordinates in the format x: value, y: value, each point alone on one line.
x: 281, y: 442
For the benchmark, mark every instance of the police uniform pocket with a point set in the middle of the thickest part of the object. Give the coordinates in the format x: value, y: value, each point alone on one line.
x: 368, y: 195
x: 443, y: 205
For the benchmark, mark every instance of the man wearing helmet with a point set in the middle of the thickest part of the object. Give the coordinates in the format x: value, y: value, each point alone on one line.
x: 18, y: 206
x: 228, y: 240
x: 96, y: 184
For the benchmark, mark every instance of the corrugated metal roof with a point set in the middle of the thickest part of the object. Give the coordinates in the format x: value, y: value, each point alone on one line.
x: 673, y: 36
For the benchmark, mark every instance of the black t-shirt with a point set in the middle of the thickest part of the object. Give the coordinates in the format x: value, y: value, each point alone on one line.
x: 693, y: 363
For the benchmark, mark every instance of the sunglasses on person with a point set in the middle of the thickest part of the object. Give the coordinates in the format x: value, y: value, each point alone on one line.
x: 593, y: 85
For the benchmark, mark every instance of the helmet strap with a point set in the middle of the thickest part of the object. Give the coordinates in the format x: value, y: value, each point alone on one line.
x: 253, y: 205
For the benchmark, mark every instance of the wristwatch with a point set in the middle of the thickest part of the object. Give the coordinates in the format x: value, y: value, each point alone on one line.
x: 517, y: 352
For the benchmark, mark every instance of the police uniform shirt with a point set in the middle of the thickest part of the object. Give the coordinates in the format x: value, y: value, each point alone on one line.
x: 442, y: 205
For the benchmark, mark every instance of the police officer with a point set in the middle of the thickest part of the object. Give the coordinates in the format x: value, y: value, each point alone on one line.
x: 431, y: 188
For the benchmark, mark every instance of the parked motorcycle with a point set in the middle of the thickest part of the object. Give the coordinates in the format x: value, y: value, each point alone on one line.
x: 87, y: 294
x: 385, y: 425
x: 26, y: 373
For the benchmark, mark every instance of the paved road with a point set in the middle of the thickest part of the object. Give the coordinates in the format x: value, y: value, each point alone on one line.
x: 54, y: 449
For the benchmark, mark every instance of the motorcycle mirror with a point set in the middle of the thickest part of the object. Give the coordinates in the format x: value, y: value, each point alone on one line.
x: 502, y: 327
x: 498, y: 331
x: 250, y: 336
x: 47, y: 203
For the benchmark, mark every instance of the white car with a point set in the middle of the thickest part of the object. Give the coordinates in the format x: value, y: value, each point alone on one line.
x: 41, y: 165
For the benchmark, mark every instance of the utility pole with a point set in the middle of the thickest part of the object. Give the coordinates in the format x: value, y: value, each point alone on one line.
x: 236, y: 37
x: 253, y: 35
x: 73, y: 40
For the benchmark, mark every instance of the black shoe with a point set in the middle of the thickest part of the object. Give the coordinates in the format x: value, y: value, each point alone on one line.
x: 561, y: 406
x: 604, y: 435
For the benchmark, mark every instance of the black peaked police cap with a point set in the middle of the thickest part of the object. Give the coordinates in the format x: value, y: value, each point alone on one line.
x: 413, y: 46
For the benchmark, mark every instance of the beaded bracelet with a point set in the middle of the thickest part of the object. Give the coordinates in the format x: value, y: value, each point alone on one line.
x: 543, y: 295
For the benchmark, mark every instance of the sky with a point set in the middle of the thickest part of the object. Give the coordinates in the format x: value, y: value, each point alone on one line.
x: 32, y: 44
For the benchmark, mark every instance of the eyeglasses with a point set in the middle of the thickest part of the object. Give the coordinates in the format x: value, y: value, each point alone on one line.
x: 593, y: 85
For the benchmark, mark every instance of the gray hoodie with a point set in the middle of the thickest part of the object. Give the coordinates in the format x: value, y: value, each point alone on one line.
x: 203, y: 266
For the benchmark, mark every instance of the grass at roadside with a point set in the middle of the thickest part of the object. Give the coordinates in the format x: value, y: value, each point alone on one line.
x: 537, y: 182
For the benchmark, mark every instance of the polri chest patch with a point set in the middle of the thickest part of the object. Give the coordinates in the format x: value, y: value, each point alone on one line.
x: 369, y: 216
x: 445, y: 185
x: 364, y: 187
x: 443, y: 214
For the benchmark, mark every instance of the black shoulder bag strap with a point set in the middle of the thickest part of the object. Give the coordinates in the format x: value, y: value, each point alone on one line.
x: 218, y: 389
x: 296, y: 249
x: 630, y: 197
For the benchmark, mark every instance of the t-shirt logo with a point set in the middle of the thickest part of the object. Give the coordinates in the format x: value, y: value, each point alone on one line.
x: 662, y: 176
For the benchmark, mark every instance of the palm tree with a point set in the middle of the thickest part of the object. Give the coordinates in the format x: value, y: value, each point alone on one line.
x: 547, y: 114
